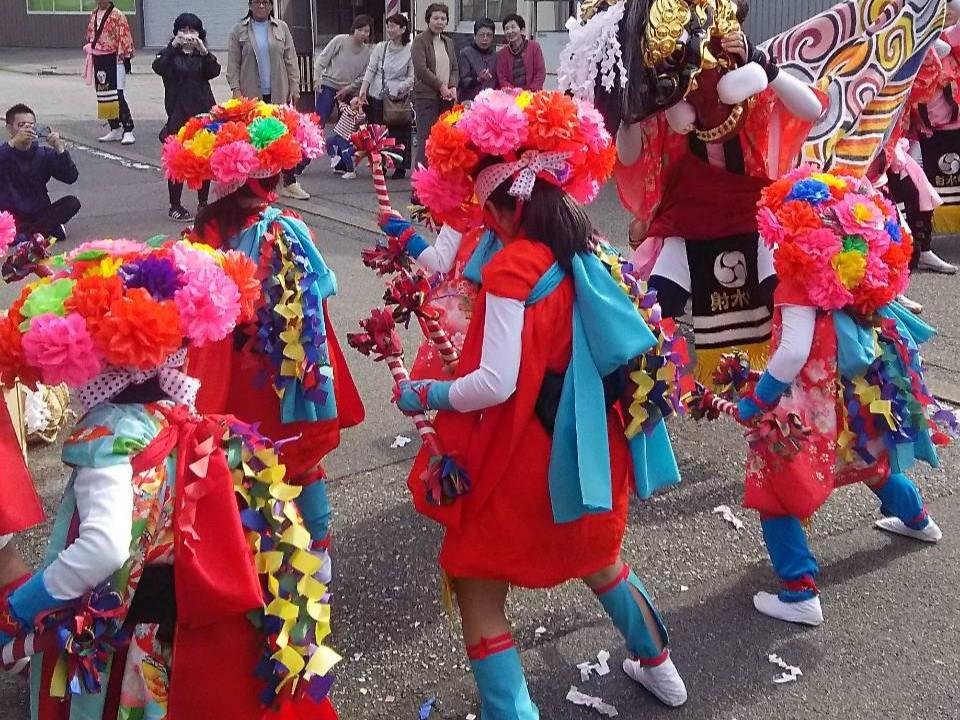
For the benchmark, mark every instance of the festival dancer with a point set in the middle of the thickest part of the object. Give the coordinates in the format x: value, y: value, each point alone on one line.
x: 705, y: 127
x: 162, y: 579
x: 846, y: 361
x: 285, y: 370
x: 549, y: 335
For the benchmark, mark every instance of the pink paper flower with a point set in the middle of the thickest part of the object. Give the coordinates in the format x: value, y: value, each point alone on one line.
x: 857, y: 213
x: 233, y: 162
x: 582, y: 188
x: 495, y: 124
x: 209, y: 304
x: 826, y: 290
x: 8, y: 231
x: 62, y: 348
x: 771, y: 231
x: 189, y: 259
x: 120, y: 246
x: 592, y: 126
x: 310, y: 137
x: 441, y: 194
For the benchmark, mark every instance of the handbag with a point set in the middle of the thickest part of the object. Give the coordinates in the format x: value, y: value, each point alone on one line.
x: 396, y: 111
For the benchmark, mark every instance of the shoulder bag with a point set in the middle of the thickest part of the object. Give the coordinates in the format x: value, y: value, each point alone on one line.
x: 396, y: 111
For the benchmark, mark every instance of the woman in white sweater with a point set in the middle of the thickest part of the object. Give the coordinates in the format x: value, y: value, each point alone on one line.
x: 390, y: 75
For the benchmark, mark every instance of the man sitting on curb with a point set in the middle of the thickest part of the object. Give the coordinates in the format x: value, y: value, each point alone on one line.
x: 25, y: 170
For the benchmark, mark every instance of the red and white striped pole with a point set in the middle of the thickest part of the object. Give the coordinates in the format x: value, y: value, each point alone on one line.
x: 438, y: 336
x: 424, y: 426
x: 15, y: 655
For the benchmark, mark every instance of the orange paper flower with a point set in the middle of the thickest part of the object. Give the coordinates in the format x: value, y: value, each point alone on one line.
x: 139, y: 331
x: 12, y: 366
x: 797, y: 216
x: 243, y: 271
x: 92, y: 298
x: 282, y: 154
x: 775, y: 195
x: 232, y: 132
x: 552, y: 120
x: 447, y: 149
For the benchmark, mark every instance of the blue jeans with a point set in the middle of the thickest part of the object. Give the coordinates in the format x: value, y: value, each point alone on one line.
x: 342, y: 148
x: 326, y: 101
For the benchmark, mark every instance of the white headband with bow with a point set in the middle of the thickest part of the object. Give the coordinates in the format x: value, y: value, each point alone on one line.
x: 523, y: 171
x: 110, y: 383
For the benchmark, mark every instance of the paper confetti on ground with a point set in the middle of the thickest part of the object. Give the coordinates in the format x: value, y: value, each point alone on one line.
x: 540, y: 631
x: 578, y: 698
x: 789, y: 674
x: 400, y: 441
x: 726, y: 513
x: 600, y: 667
x: 427, y: 708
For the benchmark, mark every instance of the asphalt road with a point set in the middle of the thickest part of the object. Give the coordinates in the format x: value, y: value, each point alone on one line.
x: 890, y: 646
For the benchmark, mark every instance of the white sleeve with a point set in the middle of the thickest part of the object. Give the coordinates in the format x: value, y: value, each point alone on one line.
x: 496, y: 378
x: 105, y: 508
x: 799, y: 97
x: 672, y: 262
x: 796, y: 339
x: 440, y: 256
x: 5, y: 540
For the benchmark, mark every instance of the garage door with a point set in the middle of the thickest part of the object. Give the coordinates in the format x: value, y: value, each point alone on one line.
x: 218, y: 16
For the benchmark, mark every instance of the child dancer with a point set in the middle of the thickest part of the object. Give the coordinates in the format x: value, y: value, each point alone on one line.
x: 549, y: 494
x: 159, y: 552
x: 846, y: 360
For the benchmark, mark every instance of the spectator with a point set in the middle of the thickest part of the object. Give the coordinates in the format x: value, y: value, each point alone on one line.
x: 25, y: 170
x: 262, y: 62
x: 109, y: 49
x: 478, y: 61
x: 390, y: 75
x: 339, y: 67
x: 435, y: 74
x: 187, y: 68
x: 520, y: 62
x: 339, y: 145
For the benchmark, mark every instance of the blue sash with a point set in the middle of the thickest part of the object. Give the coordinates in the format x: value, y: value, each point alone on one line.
x: 488, y: 246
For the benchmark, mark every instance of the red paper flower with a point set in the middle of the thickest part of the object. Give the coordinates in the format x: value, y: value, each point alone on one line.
x: 243, y: 271
x: 775, y: 195
x: 92, y: 298
x: 232, y: 132
x: 139, y: 331
x: 552, y: 118
x: 12, y: 366
x: 797, y: 216
x: 448, y: 151
x: 282, y: 154
x: 191, y: 128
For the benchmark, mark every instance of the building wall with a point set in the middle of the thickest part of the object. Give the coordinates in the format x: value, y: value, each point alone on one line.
x: 22, y: 29
x: 769, y: 17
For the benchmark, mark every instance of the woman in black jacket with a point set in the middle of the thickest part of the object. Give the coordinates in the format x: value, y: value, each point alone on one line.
x: 187, y: 68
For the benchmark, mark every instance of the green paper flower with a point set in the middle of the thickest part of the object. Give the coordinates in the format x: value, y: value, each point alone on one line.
x: 855, y: 242
x: 266, y: 130
x: 46, y: 298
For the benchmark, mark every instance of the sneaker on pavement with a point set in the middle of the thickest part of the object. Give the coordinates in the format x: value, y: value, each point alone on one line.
x: 293, y: 190
x: 911, y: 305
x: 349, y: 176
x: 662, y: 680
x: 128, y: 138
x: 179, y: 214
x: 930, y: 532
x: 805, y: 612
x: 929, y: 260
x: 115, y: 135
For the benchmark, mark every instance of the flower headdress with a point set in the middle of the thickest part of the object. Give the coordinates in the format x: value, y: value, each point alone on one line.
x: 238, y: 140
x: 116, y: 312
x: 545, y: 135
x: 836, y: 237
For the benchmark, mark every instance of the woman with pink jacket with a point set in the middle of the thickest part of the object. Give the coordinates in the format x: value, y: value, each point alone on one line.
x: 520, y: 62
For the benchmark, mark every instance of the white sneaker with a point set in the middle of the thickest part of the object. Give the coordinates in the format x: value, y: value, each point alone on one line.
x: 128, y: 138
x: 293, y: 190
x: 349, y: 176
x: 911, y: 305
x: 805, y: 612
x: 115, y: 135
x: 662, y: 680
x: 930, y: 532
x: 929, y: 260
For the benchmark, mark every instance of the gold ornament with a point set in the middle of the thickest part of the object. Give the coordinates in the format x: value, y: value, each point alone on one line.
x: 667, y: 28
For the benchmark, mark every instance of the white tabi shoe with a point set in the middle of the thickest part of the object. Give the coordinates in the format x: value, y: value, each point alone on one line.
x: 929, y: 260
x: 294, y: 191
x: 662, y: 680
x: 911, y: 305
x: 128, y: 138
x: 115, y: 135
x: 805, y: 612
x: 929, y: 533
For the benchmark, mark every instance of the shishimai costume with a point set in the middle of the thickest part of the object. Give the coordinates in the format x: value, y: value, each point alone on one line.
x: 179, y: 580
x: 535, y: 411
x: 701, y: 133
x: 284, y: 369
x: 846, y: 361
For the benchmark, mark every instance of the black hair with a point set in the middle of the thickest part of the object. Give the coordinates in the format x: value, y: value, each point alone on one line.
x: 148, y: 391
x: 18, y: 109
x: 484, y: 23
x: 513, y: 17
x: 400, y: 21
x: 227, y: 215
x: 436, y: 7
x: 361, y: 21
x: 250, y: 12
x: 550, y: 216
x: 189, y: 20
x: 743, y: 9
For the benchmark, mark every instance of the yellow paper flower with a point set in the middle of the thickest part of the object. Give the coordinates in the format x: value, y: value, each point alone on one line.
x: 230, y: 104
x: 265, y: 109
x: 202, y: 143
x: 830, y: 180
x: 205, y: 249
x: 107, y: 267
x: 523, y: 99
x: 850, y: 267
x: 452, y: 118
x: 864, y: 213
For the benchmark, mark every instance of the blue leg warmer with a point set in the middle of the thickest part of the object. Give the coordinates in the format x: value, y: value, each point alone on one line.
x: 314, y: 506
x: 500, y: 681
x: 620, y: 602
x: 792, y: 560
x: 900, y: 497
